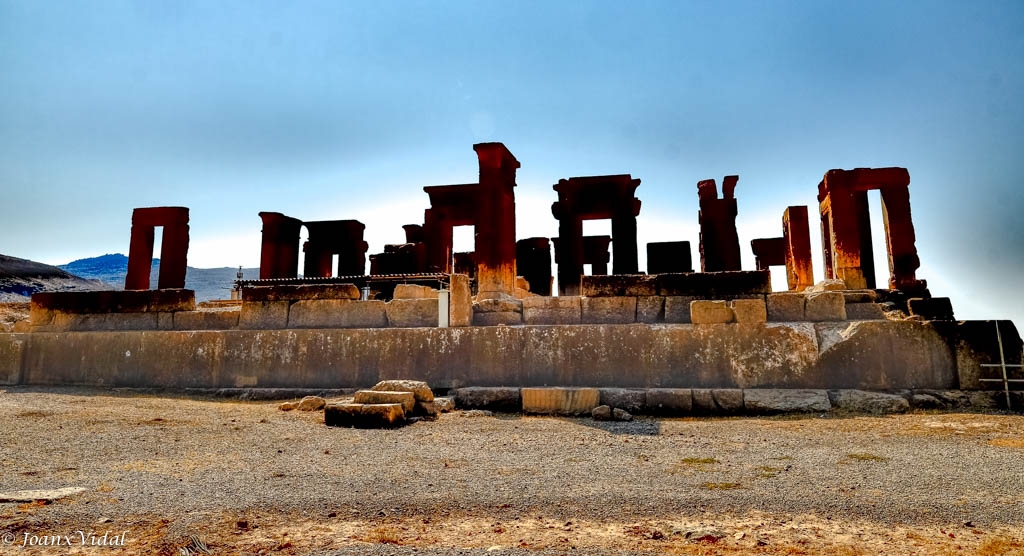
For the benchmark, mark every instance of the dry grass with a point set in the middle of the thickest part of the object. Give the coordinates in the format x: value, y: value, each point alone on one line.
x: 864, y: 456
x: 767, y: 472
x: 1007, y: 442
x: 384, y: 535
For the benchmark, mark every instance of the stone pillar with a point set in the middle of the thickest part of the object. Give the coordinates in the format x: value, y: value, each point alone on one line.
x: 768, y: 252
x: 867, y: 251
x: 279, y: 253
x: 173, y: 255
x: 900, y: 240
x: 140, y: 257
x: 595, y: 253
x: 495, y: 249
x: 413, y: 233
x: 318, y: 261
x: 797, y: 236
x: 840, y: 205
x: 719, y: 242
x: 624, y: 234
x: 568, y: 253
x: 437, y: 233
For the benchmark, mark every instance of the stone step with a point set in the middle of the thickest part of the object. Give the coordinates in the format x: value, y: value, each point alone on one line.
x: 364, y: 416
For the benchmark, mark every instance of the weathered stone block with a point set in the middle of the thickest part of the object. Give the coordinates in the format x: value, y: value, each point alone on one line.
x: 410, y: 313
x: 510, y: 318
x: 311, y: 403
x: 206, y: 320
x: 11, y: 349
x: 825, y: 306
x: 460, y: 303
x: 336, y: 313
x: 728, y: 400
x: 552, y: 310
x: 501, y: 398
x: 263, y: 315
x: 406, y: 399
x: 830, y: 285
x: 860, y: 296
x: 864, y: 311
x: 601, y: 413
x: 749, y: 310
x: 715, y: 285
x: 863, y: 401
x: 430, y: 410
x: 114, y: 301
x: 630, y: 400
x: 767, y: 401
x: 710, y: 312
x: 73, y: 322
x: 560, y: 401
x: 785, y: 307
x: 608, y: 310
x: 165, y: 321
x: 618, y: 285
x: 934, y: 308
x: 295, y: 292
x: 414, y: 291
x: 364, y: 416
x: 677, y: 309
x: 420, y: 390
x: 669, y: 401
x: 445, y: 404
x: 650, y: 309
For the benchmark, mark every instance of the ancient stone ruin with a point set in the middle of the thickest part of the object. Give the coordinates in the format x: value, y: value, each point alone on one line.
x: 489, y: 317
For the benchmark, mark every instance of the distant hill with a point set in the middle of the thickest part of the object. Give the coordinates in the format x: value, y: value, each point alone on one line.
x: 208, y: 283
x: 20, y: 278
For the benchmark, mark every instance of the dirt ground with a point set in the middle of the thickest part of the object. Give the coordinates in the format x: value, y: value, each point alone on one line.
x: 180, y: 475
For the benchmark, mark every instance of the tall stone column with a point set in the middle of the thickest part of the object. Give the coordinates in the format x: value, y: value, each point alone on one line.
x: 140, y: 257
x: 900, y: 240
x: 496, y: 223
x: 173, y: 256
x: 797, y: 235
x: 279, y: 252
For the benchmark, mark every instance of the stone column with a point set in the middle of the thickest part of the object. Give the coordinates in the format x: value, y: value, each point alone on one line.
x: 279, y: 253
x: 797, y: 235
x: 140, y: 257
x: 495, y: 250
x: 900, y: 240
x: 173, y: 256
x: 437, y: 233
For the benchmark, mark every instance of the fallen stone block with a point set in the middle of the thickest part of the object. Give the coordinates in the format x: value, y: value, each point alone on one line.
x: 984, y: 400
x: 288, y: 406
x: 37, y: 495
x: 669, y: 401
x: 263, y: 315
x: 601, y: 413
x: 445, y: 404
x: 430, y: 410
x: 552, y: 310
x: 728, y: 400
x: 623, y: 398
x: 414, y: 291
x: 621, y: 415
x: 501, y: 398
x: 860, y: 296
x: 650, y: 309
x: 420, y: 390
x: 825, y: 306
x: 406, y: 399
x: 926, y: 401
x: 311, y: 403
x: 364, y: 416
x: 829, y: 285
x: 412, y: 313
x: 677, y: 309
x: 864, y: 311
x: 608, y: 310
x: 768, y: 401
x: 862, y: 401
x: 785, y: 307
x: 710, y: 312
x: 560, y: 401
x: 750, y: 311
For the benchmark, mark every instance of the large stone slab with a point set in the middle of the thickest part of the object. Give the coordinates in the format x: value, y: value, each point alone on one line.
x: 205, y: 320
x: 650, y: 309
x: 337, y: 313
x: 825, y: 306
x: 11, y: 350
x: 677, y: 309
x: 768, y: 401
x: 113, y: 301
x: 618, y: 285
x: 420, y: 390
x: 710, y: 312
x: 864, y: 311
x: 409, y: 313
x: 560, y: 401
x: 499, y: 398
x: 263, y: 315
x: 669, y: 401
x: 552, y: 310
x: 364, y: 416
x: 498, y: 318
x: 608, y: 310
x: 406, y: 399
x: 785, y: 307
x: 73, y: 322
x: 297, y: 292
x: 862, y: 401
x: 414, y: 291
x: 632, y: 400
x: 715, y: 285
x: 748, y: 311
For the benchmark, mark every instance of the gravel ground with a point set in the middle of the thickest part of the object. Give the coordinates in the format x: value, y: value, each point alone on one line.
x: 247, y: 478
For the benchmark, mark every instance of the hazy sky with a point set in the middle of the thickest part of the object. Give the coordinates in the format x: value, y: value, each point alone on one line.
x: 336, y: 110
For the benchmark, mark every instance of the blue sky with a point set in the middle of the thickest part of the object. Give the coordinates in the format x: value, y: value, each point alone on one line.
x: 332, y: 110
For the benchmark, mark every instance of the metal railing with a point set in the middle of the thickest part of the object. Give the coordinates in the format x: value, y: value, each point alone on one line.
x: 1006, y: 380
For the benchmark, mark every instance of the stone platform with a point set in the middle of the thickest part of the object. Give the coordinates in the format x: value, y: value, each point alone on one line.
x: 875, y: 355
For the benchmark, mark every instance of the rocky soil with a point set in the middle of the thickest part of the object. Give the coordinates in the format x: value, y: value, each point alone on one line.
x: 177, y: 475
